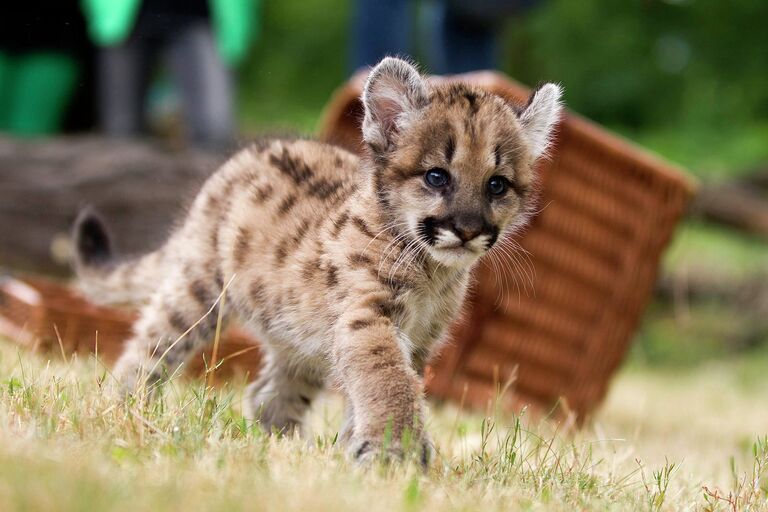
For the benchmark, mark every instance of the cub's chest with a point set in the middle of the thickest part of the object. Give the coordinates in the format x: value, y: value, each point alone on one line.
x: 428, y: 310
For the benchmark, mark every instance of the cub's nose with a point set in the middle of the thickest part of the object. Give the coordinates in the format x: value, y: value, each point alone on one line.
x: 467, y: 227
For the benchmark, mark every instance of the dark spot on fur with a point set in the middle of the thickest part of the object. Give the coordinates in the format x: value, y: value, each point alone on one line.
x: 222, y: 214
x: 382, y: 365
x: 305, y: 400
x: 257, y: 293
x: 291, y: 299
x: 217, y: 277
x: 472, y: 104
x: 245, y: 177
x: 187, y: 344
x: 291, y: 242
x: 310, y: 268
x: 332, y: 276
x: 387, y: 308
x: 339, y: 224
x: 356, y: 325
x: 214, y: 238
x: 323, y: 188
x: 497, y: 154
x: 261, y: 194
x: 450, y: 149
x: 362, y: 226
x: 378, y: 185
x: 176, y: 320
x: 212, y: 204
x: 242, y: 244
x: 199, y: 291
x: 379, y: 350
x: 280, y: 253
x: 359, y: 259
x: 301, y: 231
x: 294, y: 168
x: 153, y: 335
x: 345, y: 193
x: 286, y: 204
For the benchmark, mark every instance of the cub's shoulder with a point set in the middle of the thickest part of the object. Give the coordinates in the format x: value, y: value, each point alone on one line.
x: 304, y: 159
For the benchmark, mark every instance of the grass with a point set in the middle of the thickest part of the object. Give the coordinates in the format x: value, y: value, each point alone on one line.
x: 662, y: 441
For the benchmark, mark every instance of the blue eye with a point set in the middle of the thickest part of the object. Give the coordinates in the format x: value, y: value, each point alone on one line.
x: 497, y: 185
x: 437, y: 178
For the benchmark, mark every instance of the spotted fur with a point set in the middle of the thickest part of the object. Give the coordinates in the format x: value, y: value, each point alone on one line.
x: 347, y: 270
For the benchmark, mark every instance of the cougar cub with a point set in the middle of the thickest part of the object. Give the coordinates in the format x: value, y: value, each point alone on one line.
x: 348, y: 270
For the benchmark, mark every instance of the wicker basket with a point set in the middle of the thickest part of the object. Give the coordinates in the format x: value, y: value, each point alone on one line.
x: 608, y: 210
x: 45, y: 315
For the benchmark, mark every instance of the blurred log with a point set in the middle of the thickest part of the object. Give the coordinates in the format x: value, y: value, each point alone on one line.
x: 757, y: 177
x: 743, y: 300
x: 737, y: 205
x: 746, y: 293
x: 139, y: 187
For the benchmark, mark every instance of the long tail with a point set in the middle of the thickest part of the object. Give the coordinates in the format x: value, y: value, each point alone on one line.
x: 102, y: 277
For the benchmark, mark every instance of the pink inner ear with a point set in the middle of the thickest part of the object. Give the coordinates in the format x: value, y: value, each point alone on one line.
x: 387, y: 111
x: 393, y: 92
x: 389, y: 98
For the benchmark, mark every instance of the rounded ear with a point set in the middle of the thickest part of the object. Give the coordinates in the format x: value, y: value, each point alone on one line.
x: 540, y: 117
x: 393, y: 93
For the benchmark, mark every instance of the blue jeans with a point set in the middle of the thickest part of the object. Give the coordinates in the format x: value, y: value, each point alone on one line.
x: 380, y: 28
x: 454, y: 44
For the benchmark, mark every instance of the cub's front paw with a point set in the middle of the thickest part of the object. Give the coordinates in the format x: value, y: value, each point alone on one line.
x: 365, y: 451
x: 131, y: 376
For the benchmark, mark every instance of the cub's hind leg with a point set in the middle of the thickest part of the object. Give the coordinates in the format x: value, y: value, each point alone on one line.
x: 279, y: 398
x: 171, y: 328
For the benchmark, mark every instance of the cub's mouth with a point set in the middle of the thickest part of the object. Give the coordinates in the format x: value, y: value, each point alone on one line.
x: 454, y: 246
x: 448, y: 248
x: 455, y: 256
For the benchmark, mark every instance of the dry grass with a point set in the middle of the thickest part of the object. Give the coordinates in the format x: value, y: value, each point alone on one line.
x: 663, y: 441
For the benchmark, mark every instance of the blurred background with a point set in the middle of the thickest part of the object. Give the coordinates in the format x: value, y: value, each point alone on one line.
x: 684, y: 78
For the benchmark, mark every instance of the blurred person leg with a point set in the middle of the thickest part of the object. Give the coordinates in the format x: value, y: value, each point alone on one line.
x: 36, y: 89
x: 380, y: 28
x: 123, y: 76
x: 205, y: 85
x: 461, y: 43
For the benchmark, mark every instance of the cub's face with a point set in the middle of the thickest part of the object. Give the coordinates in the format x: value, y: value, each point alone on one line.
x: 453, y: 164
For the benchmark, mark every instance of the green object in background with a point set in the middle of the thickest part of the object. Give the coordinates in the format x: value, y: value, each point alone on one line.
x: 34, y: 91
x: 235, y: 23
x: 110, y: 21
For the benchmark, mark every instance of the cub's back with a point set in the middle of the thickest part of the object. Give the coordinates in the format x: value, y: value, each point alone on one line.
x: 259, y: 208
